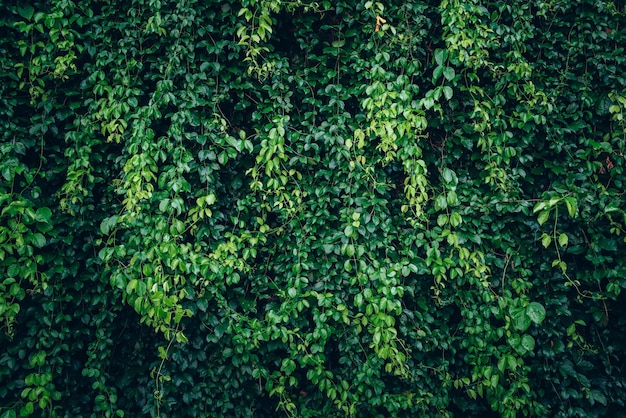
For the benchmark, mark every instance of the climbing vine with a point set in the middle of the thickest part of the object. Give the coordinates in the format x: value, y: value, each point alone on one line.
x: 300, y: 208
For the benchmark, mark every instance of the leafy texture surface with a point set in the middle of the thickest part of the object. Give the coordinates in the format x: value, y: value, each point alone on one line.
x: 308, y: 209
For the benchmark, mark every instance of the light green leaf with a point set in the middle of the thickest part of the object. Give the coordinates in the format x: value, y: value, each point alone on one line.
x: 449, y: 177
x: 455, y: 219
x: 441, y: 202
x: 543, y: 216
x: 539, y: 206
x: 449, y: 73
x: 441, y: 55
x: 452, y: 198
x: 572, y: 206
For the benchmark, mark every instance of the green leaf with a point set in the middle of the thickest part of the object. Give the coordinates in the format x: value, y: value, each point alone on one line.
x: 43, y: 215
x: 181, y: 338
x: 26, y: 12
x: 572, y: 206
x: 447, y: 92
x: 536, y: 312
x: 441, y: 55
x: 521, y: 320
x: 15, y: 290
x: 449, y: 73
x: 546, y: 240
x: 202, y: 304
x: 539, y: 206
x: 528, y: 343
x: 563, y: 240
x: 9, y: 414
x: 543, y: 216
x: 514, y: 341
x: 449, y: 177
x: 441, y: 202
x: 13, y: 270
x: 29, y: 408
x: 452, y: 198
x: 598, y: 396
x: 38, y: 240
x: 437, y: 73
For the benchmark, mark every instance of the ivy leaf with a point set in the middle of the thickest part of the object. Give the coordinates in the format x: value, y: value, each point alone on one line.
x: 202, y: 304
x: 441, y: 202
x: 13, y: 270
x: 38, y: 240
x: 437, y: 73
x: 598, y: 396
x: 449, y: 177
x: 521, y: 320
x: 449, y: 73
x: 43, y: 215
x: 543, y: 216
x: 572, y: 206
x: 528, y: 343
x: 536, y: 312
x: 441, y: 55
x: 107, y: 224
x: 26, y: 12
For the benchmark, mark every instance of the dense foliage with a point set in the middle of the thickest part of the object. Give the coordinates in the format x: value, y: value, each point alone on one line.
x: 323, y: 209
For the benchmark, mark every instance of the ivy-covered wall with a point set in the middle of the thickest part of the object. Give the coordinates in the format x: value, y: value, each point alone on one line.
x: 268, y: 208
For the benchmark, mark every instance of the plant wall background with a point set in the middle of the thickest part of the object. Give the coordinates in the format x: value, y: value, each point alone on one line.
x: 316, y: 208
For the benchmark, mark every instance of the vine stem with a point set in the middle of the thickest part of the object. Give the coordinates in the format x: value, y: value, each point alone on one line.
x: 558, y: 255
x: 157, y: 378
